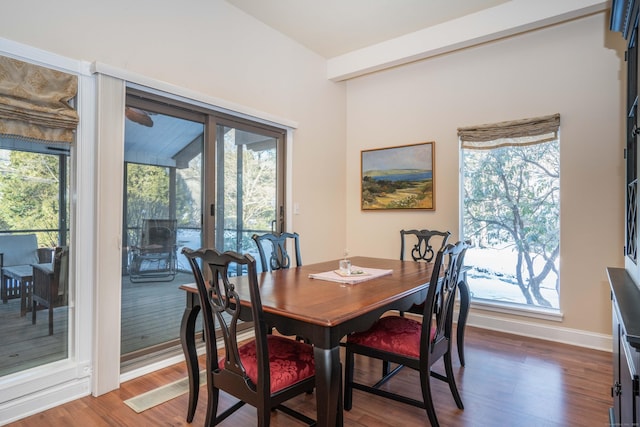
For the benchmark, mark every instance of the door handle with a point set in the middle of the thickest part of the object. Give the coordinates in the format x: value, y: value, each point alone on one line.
x: 616, y: 389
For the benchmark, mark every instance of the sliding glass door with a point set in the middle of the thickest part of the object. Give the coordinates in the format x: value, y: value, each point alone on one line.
x: 248, y: 194
x: 162, y: 214
x: 193, y: 178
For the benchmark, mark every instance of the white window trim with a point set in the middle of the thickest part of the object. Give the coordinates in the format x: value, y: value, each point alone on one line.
x: 536, y: 312
x: 42, y: 387
x: 107, y: 373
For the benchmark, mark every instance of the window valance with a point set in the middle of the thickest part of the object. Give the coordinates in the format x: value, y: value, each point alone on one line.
x: 513, y: 133
x: 35, y: 102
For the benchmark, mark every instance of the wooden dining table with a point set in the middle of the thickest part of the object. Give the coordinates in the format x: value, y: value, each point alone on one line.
x: 323, y: 312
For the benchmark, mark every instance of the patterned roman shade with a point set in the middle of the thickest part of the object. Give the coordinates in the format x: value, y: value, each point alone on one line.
x: 35, y: 102
x: 512, y: 133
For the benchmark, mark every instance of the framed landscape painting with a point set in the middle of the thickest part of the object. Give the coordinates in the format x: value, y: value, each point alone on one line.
x: 398, y: 177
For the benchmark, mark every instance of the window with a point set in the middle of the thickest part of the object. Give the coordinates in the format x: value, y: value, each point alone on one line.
x: 510, y: 211
x: 37, y: 131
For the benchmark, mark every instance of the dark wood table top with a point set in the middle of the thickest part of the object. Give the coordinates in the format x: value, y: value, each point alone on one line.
x: 292, y: 294
x: 323, y: 312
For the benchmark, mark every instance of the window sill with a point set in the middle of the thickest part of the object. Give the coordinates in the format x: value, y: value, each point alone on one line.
x: 518, y: 310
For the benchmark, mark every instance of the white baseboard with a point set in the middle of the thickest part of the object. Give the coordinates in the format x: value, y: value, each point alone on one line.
x: 44, y: 399
x: 559, y: 334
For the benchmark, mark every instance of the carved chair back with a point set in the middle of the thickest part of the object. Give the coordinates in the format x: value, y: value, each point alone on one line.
x: 263, y: 371
x: 276, y: 256
x: 424, y: 243
x: 439, y: 305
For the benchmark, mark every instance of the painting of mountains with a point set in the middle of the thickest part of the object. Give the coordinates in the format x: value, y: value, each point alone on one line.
x: 398, y: 177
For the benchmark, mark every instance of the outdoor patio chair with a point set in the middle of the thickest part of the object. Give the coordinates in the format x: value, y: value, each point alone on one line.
x: 18, y: 253
x: 155, y: 258
x: 51, y: 285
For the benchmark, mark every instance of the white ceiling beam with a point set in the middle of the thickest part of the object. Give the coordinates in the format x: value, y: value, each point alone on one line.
x: 507, y: 19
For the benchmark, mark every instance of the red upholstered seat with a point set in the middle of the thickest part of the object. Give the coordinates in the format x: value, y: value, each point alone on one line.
x: 394, y: 334
x: 264, y: 371
x: 409, y: 343
x: 289, y: 361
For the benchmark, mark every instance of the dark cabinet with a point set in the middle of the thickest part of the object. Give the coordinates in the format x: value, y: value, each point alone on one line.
x: 625, y: 292
x: 624, y: 18
x: 625, y: 298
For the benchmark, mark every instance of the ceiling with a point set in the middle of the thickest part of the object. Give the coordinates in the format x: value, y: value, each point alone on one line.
x: 362, y: 36
x: 153, y: 138
x: 335, y: 27
x: 162, y: 141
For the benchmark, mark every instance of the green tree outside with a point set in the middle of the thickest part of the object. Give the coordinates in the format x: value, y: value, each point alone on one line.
x: 511, y: 199
x: 29, y: 194
x: 148, y: 198
x: 251, y: 185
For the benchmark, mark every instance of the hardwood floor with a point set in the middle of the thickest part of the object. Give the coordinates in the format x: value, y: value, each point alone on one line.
x: 508, y: 381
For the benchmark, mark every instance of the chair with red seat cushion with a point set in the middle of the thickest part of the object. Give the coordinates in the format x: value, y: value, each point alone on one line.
x: 421, y: 243
x: 277, y: 256
x: 411, y: 343
x: 272, y: 250
x: 420, y: 246
x: 264, y: 371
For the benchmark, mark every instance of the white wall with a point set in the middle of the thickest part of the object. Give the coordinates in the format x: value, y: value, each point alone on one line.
x: 210, y: 48
x: 575, y: 69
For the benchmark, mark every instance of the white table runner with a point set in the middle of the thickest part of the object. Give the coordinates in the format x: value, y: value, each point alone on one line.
x: 359, y: 274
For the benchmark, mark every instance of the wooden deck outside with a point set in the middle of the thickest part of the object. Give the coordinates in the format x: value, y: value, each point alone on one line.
x: 151, y: 314
x: 25, y: 345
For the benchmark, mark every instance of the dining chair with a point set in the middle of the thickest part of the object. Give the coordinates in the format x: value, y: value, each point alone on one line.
x: 278, y: 257
x: 264, y: 371
x: 421, y: 246
x: 411, y: 343
x: 421, y: 243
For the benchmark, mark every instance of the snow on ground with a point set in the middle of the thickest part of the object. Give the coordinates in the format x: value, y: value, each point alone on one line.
x: 493, y: 277
x: 496, y: 281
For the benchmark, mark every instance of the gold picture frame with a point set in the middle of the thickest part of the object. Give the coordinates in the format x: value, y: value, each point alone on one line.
x: 399, y: 177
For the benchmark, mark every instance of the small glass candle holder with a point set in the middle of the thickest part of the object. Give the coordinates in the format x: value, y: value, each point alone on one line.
x: 345, y: 266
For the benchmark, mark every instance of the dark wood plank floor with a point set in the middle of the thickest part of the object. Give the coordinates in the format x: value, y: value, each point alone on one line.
x: 508, y: 381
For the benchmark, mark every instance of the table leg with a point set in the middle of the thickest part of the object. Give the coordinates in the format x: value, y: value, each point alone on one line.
x: 328, y: 386
x: 188, y: 340
x: 465, y: 301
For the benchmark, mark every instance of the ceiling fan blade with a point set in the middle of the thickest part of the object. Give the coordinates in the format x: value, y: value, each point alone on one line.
x: 138, y: 116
